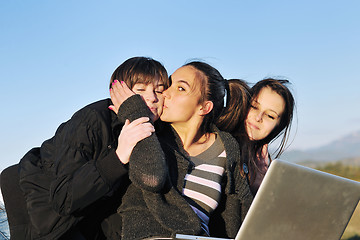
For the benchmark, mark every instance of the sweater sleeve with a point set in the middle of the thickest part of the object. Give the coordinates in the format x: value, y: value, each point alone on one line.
x: 85, y: 170
x: 147, y: 165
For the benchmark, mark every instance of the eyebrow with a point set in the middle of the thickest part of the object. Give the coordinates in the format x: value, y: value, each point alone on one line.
x: 181, y: 81
x: 185, y: 82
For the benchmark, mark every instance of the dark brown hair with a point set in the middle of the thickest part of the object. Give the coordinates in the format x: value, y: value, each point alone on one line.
x: 233, y: 117
x: 140, y: 70
x: 283, y: 128
x: 213, y: 87
x: 250, y: 149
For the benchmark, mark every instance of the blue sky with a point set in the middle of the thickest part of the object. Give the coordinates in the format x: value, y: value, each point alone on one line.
x: 58, y: 56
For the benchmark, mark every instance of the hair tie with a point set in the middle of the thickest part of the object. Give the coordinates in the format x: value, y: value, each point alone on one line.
x: 226, y: 92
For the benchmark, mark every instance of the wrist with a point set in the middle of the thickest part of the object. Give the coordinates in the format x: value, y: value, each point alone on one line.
x: 124, y: 158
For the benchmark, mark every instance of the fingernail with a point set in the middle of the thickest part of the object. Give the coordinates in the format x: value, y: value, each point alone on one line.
x: 122, y: 82
x: 115, y: 81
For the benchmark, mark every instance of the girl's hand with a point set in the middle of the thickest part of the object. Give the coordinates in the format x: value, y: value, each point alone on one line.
x: 130, y: 135
x: 119, y: 92
x: 265, y: 154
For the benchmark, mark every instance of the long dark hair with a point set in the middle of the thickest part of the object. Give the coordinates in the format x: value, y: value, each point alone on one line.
x: 230, y: 98
x: 251, y: 149
x: 283, y: 128
x: 213, y: 88
x: 233, y: 117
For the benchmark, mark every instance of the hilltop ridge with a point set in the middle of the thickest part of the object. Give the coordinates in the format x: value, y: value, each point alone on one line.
x: 346, y: 149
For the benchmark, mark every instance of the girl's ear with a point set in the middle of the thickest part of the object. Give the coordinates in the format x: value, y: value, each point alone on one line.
x: 207, y: 106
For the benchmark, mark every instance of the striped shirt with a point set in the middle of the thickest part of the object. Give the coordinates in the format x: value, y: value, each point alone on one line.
x: 202, y: 187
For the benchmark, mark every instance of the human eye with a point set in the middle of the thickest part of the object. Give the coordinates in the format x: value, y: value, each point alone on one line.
x: 138, y: 88
x: 181, y: 89
x: 271, y: 117
x: 182, y: 86
x: 159, y: 90
x: 254, y: 105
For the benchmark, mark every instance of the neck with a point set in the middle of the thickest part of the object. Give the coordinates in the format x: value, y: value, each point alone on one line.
x: 194, y: 141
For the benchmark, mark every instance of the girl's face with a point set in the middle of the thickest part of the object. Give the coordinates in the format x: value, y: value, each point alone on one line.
x: 265, y: 113
x: 182, y: 97
x: 152, y: 94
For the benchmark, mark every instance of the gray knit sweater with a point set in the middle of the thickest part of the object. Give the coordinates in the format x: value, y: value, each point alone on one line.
x: 153, y: 205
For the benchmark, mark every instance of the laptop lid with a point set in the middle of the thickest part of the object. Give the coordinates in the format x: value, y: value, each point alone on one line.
x: 296, y: 202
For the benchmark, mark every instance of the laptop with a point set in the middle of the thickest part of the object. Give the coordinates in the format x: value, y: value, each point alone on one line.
x: 297, y: 202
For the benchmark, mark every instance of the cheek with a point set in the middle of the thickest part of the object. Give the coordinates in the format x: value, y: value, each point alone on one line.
x: 270, y: 127
x: 161, y: 100
x: 252, y: 114
x: 160, y: 106
x: 248, y: 116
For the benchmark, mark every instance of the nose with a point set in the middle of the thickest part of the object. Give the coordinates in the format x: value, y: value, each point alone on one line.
x: 151, y: 96
x: 166, y: 93
x: 259, y: 116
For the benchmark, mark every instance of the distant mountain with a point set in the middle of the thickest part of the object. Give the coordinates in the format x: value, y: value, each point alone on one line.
x: 347, y: 147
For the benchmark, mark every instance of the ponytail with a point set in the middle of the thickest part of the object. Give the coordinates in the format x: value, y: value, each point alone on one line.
x: 235, y: 110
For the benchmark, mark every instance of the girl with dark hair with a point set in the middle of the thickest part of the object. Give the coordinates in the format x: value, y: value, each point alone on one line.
x: 204, y: 192
x: 269, y: 117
